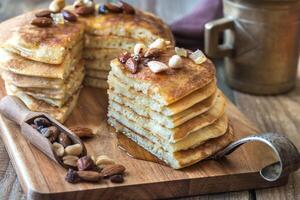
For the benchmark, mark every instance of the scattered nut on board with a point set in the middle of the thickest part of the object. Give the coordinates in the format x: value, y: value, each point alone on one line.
x: 58, y: 149
x: 175, y: 62
x: 74, y: 150
x: 85, y: 163
x: 82, y: 132
x: 104, y: 160
x: 156, y: 66
x: 111, y: 170
x: 70, y: 160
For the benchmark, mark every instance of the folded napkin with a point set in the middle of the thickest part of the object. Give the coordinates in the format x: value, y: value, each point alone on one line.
x: 189, y: 30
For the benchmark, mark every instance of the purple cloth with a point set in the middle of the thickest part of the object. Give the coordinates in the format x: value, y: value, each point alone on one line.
x: 189, y: 30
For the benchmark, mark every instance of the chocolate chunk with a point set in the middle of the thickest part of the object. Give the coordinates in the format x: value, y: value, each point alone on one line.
x: 117, y: 178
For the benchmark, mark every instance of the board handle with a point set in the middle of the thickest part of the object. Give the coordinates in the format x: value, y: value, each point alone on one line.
x: 14, y: 109
x: 286, y: 151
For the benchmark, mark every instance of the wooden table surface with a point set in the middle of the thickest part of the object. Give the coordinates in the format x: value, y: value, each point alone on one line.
x: 270, y: 113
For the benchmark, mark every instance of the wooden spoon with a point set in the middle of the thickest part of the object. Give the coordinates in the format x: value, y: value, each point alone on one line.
x: 14, y: 109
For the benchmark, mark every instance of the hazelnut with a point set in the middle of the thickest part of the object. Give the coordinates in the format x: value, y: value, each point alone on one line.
x: 58, y: 149
x: 64, y: 139
x: 175, y: 62
x: 57, y: 5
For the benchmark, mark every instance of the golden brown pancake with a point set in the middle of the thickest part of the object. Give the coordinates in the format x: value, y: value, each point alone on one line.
x: 98, y: 64
x: 105, y: 55
x: 110, y: 41
x: 142, y: 26
x: 19, y: 65
x: 47, y: 45
x: 169, y: 86
x: 101, y: 74
x: 124, y: 113
x: 179, y: 159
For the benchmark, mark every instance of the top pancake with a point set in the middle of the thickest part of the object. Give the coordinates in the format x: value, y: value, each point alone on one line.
x: 142, y: 26
x: 47, y: 45
x: 171, y: 85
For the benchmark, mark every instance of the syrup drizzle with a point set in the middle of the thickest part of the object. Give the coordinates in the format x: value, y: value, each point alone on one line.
x: 135, y: 151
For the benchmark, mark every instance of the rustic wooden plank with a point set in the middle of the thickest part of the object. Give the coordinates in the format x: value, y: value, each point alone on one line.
x: 278, y: 114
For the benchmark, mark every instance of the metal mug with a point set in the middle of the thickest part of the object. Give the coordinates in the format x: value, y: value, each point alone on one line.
x: 260, y: 44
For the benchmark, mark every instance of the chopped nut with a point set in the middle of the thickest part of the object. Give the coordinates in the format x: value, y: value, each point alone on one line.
x: 117, y: 178
x: 75, y: 149
x: 82, y: 132
x: 181, y: 52
x: 58, y: 149
x: 84, y: 10
x: 57, y: 5
x: 90, y: 176
x: 64, y: 139
x: 124, y: 57
x: 110, y: 170
x: 158, y: 44
x: 72, y: 176
x: 78, y: 3
x: 85, y: 163
x: 132, y: 65
x: 198, y: 57
x: 127, y: 8
x: 104, y: 160
x: 156, y: 66
x: 175, y: 62
x: 58, y: 18
x: 70, y: 160
x: 152, y: 53
x: 139, y: 48
x: 43, y: 13
x: 113, y: 8
x: 69, y: 16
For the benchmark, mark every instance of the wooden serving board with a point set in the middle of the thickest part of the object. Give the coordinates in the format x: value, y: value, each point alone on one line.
x: 41, y: 178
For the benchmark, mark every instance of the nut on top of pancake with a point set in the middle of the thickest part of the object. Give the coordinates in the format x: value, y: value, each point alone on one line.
x: 166, y: 74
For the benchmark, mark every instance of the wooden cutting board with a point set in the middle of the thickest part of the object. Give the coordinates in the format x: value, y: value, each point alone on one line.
x: 41, y: 178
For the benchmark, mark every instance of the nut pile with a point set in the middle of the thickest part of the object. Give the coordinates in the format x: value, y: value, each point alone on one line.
x: 55, y: 15
x: 63, y: 146
x: 92, y: 169
x: 146, y: 56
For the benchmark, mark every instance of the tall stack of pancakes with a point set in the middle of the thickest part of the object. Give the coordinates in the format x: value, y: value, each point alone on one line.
x: 43, y: 65
x: 108, y: 35
x: 177, y: 114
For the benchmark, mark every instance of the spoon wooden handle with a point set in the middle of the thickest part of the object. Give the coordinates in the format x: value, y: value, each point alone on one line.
x: 14, y: 109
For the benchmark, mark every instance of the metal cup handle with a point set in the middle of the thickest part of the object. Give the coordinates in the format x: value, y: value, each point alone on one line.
x: 212, y: 34
x: 287, y: 153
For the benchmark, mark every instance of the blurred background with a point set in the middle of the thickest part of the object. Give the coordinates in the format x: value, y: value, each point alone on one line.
x: 168, y: 10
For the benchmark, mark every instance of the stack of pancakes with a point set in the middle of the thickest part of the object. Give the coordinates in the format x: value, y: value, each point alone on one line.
x: 43, y: 66
x: 178, y: 115
x: 108, y: 35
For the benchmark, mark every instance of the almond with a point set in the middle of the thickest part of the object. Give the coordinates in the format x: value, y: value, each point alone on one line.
x: 139, y: 48
x: 110, y: 170
x: 152, y: 53
x: 156, y: 66
x: 82, y: 131
x: 90, y: 176
x: 70, y: 160
x: 84, y: 10
x: 43, y: 13
x: 127, y: 8
x: 113, y: 8
x: 42, y: 22
x: 158, y: 44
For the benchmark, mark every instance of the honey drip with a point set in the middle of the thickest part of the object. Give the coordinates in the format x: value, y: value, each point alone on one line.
x: 135, y: 151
